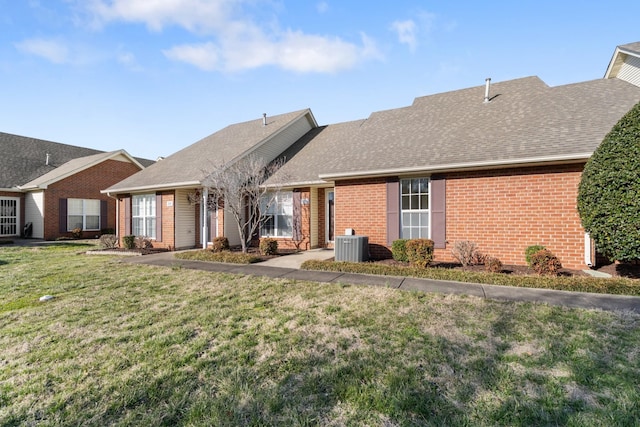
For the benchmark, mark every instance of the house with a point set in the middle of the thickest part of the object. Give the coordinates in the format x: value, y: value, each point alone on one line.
x: 498, y: 164
x: 48, y: 189
x: 167, y: 202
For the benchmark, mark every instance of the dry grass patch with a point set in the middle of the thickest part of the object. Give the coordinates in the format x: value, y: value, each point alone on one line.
x: 124, y: 344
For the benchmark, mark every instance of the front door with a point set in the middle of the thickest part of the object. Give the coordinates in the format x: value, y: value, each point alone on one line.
x: 330, y: 215
x: 9, y: 211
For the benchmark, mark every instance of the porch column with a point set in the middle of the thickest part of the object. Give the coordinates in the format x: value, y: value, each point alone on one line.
x: 205, y: 208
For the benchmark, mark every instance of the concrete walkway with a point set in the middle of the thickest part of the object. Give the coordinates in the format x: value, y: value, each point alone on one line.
x: 282, y: 267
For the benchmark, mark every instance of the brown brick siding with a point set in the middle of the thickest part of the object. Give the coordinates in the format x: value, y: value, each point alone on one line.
x: 305, y: 210
x: 85, y: 185
x: 361, y: 205
x: 506, y: 211
x: 167, y: 240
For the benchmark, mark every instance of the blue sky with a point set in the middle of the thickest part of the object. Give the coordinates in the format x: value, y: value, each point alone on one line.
x: 153, y: 76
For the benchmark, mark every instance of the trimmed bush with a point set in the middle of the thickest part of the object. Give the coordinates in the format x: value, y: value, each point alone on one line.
x: 544, y: 262
x: 530, y: 251
x: 466, y: 252
x: 492, y: 264
x: 609, y: 191
x: 399, y: 250
x: 109, y: 241
x: 142, y: 242
x: 268, y: 246
x: 220, y: 244
x: 129, y: 242
x: 224, y: 256
x: 420, y: 252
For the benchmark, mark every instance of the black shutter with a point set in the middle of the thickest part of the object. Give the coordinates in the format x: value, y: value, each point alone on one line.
x: 159, y: 217
x: 438, y: 212
x: 297, y: 216
x: 62, y: 215
x: 104, y: 220
x: 393, y: 210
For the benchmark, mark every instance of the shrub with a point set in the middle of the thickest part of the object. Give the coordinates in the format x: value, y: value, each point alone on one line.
x: 492, y: 264
x: 544, y: 262
x: 76, y: 233
x: 530, y: 251
x: 129, y: 242
x: 220, y: 244
x: 142, y: 242
x: 466, y: 252
x: 399, y: 250
x: 420, y: 252
x: 608, y: 201
x: 268, y: 246
x: 109, y: 241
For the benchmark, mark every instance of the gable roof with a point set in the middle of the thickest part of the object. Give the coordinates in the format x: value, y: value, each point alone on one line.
x: 526, y: 122
x: 24, y: 159
x: 625, y: 63
x: 187, y: 167
x: 74, y: 166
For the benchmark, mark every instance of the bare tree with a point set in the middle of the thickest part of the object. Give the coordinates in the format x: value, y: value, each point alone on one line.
x: 238, y: 187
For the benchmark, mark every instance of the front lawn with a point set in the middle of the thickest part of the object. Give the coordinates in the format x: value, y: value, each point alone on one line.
x: 126, y: 344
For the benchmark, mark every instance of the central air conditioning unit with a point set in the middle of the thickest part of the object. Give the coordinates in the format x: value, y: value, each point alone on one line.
x: 352, y: 248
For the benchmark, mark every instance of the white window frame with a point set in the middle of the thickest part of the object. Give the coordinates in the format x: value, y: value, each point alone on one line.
x: 143, y: 215
x: 407, y: 230
x: 6, y: 220
x: 84, y: 211
x: 280, y: 207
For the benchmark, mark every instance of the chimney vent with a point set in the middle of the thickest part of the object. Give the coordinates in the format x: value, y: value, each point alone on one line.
x: 47, y: 160
x: 487, y: 86
x: 264, y: 119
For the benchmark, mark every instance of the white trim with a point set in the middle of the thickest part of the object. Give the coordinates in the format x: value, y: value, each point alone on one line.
x: 454, y: 167
x: 155, y: 187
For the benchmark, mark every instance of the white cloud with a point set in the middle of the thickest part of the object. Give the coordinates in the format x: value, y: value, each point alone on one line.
x: 52, y: 50
x: 406, y: 31
x: 233, y: 41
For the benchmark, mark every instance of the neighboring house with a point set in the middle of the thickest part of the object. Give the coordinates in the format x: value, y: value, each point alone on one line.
x: 53, y: 188
x: 164, y: 201
x: 496, y: 164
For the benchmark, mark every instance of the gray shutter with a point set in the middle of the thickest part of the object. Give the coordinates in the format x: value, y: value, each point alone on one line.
x: 104, y: 220
x: 62, y: 216
x: 127, y: 216
x: 438, y: 212
x: 159, y: 217
x: 393, y: 210
x: 297, y: 216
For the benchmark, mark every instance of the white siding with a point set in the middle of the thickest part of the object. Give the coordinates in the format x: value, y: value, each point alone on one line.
x: 185, y: 220
x: 275, y: 146
x: 34, y: 212
x: 630, y: 70
x: 231, y: 229
x: 314, y: 218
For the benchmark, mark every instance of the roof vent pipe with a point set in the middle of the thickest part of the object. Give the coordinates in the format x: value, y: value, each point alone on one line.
x: 487, y: 85
x: 264, y: 119
x: 47, y: 160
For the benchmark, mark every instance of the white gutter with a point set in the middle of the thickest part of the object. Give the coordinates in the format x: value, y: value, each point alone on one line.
x: 317, y: 183
x: 587, y: 251
x: 170, y: 186
x: 453, y: 167
x: 12, y: 190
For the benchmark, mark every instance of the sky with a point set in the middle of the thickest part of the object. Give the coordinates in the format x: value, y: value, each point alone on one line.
x: 154, y: 76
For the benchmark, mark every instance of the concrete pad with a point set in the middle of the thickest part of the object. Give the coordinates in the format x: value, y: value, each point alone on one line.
x: 442, y: 286
x: 371, y: 280
x: 295, y: 260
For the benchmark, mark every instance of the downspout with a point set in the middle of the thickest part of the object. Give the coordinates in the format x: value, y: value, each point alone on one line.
x: 205, y: 198
x: 587, y: 251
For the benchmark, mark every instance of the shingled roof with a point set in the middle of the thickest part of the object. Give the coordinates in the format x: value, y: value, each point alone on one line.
x: 24, y: 159
x: 525, y: 122
x: 187, y: 167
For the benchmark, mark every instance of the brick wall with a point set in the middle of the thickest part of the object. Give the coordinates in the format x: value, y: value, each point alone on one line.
x: 506, y: 211
x: 85, y: 185
x: 305, y: 211
x: 362, y: 205
x: 167, y: 240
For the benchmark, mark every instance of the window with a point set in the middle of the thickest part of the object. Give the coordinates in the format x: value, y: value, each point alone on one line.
x: 83, y: 214
x: 143, y: 215
x: 278, y: 216
x: 8, y: 217
x: 414, y: 196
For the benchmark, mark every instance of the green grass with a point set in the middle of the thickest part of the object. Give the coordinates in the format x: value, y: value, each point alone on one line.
x: 125, y: 344
x: 616, y: 286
